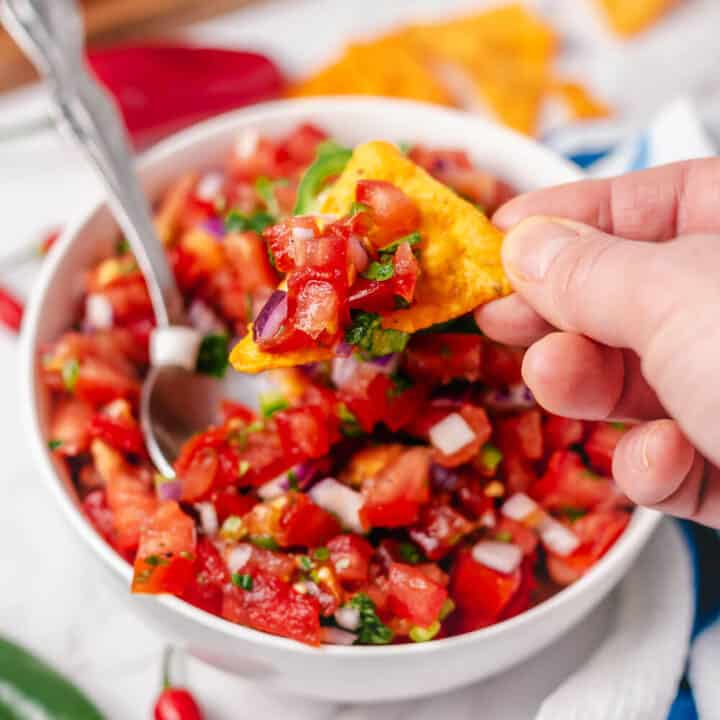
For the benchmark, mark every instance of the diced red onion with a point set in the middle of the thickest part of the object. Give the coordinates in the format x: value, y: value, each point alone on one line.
x: 344, y: 370
x: 167, y: 489
x: 209, y: 185
x: 246, y: 143
x: 237, y: 556
x: 557, y: 538
x: 357, y: 253
x: 387, y: 364
x: 519, y: 507
x: 274, y: 488
x: 501, y: 556
x: 513, y: 397
x: 348, y: 618
x: 301, y: 234
x: 336, y: 636
x: 306, y: 472
x: 271, y: 317
x: 451, y: 434
x: 175, y: 345
x: 343, y: 349
x: 443, y: 478
x: 98, y: 312
x: 215, y: 226
x: 487, y: 519
x: 208, y: 518
x: 340, y: 500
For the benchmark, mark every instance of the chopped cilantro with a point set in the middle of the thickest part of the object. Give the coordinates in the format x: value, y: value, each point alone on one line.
x: 423, y: 634
x: 619, y: 425
x: 358, y: 207
x: 399, y: 384
x: 404, y: 147
x: 265, y: 188
x: 504, y: 536
x: 330, y: 161
x: 412, y: 239
x: 236, y: 221
x: 266, y: 542
x: 70, y: 372
x: 409, y: 553
x: 379, y: 271
x: 446, y: 609
x: 321, y: 554
x: 349, y: 424
x: 155, y: 561
x: 490, y: 457
x: 305, y: 562
x: 122, y: 246
x: 54, y: 444
x: 249, y: 310
x: 243, y: 581
x: 213, y: 355
x: 401, y: 303
x: 243, y: 467
x: 573, y: 513
x: 292, y: 480
x: 270, y: 403
x: 371, y: 338
x: 371, y: 630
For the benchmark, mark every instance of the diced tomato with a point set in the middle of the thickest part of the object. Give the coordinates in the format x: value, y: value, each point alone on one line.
x: 597, y: 532
x: 100, y: 383
x: 393, y: 498
x: 305, y: 523
x: 601, y: 443
x: 69, y: 425
x: 230, y: 502
x: 262, y: 457
x: 96, y: 509
x: 477, y: 419
x: 274, y: 563
x: 129, y: 493
x: 318, y: 309
x: 502, y: 365
x: 472, y: 497
x: 129, y: 298
x: 248, y: 255
x: 303, y: 431
x: 122, y: 435
x: 518, y: 471
x: 300, y: 146
x: 521, y: 535
x: 238, y: 411
x: 164, y: 562
x: 403, y: 407
x: 441, y: 357
x: 522, y: 598
x: 567, y: 483
x: 439, y: 160
x: 439, y: 530
x: 198, y: 465
x: 273, y: 606
x: 560, y: 433
x: 394, y: 213
x: 522, y: 432
x: 209, y: 576
x: 413, y: 595
x: 406, y: 271
x: 372, y: 295
x: 350, y: 556
x: 479, y: 591
x: 288, y: 241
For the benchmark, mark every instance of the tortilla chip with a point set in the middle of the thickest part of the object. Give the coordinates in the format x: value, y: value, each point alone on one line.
x: 247, y: 357
x: 387, y: 66
x: 580, y: 103
x: 460, y: 249
x: 628, y: 18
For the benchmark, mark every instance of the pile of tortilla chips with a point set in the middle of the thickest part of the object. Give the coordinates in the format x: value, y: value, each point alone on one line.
x: 628, y: 17
x: 460, y: 265
x: 499, y: 60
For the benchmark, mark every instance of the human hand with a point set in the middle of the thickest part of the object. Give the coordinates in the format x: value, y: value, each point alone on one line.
x: 619, y: 304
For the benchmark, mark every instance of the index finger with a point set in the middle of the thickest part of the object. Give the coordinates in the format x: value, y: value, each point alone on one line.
x: 651, y: 205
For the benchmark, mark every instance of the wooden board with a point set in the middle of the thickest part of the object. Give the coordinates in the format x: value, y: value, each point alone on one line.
x: 114, y: 20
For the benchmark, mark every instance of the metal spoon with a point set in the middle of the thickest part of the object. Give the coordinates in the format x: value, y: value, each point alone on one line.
x: 176, y: 403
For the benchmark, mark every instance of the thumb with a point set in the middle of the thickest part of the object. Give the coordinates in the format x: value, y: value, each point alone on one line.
x: 658, y: 299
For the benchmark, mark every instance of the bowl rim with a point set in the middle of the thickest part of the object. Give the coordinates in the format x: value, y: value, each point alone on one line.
x: 643, y: 521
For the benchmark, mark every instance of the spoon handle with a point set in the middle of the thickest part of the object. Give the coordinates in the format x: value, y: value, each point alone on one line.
x: 51, y: 33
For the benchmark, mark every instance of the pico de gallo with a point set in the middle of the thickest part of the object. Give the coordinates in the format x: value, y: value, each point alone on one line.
x: 400, y: 492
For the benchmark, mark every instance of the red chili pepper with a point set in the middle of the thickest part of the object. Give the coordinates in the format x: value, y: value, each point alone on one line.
x: 11, y: 310
x: 163, y: 88
x: 175, y: 703
x: 49, y: 240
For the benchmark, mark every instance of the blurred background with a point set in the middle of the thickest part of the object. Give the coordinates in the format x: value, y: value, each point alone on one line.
x: 581, y: 75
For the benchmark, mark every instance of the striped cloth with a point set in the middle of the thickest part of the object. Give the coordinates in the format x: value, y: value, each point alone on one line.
x: 675, y: 134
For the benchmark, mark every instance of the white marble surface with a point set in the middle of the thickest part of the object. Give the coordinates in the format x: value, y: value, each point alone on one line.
x: 56, y: 605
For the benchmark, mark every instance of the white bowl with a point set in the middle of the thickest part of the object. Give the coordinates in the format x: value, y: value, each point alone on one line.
x: 333, y: 673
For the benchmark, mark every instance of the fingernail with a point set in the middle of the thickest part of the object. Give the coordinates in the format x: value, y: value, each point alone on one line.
x: 530, y: 247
